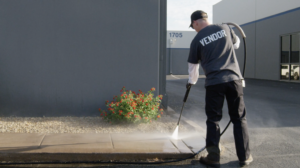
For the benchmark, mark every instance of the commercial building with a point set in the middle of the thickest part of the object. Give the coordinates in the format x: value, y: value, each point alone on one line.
x: 273, y: 34
x: 178, y: 47
x: 66, y: 58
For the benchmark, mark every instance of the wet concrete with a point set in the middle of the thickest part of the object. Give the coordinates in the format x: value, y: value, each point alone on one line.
x: 19, y: 148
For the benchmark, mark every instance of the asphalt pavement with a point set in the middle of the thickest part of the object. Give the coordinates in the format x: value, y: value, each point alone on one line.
x: 273, y: 112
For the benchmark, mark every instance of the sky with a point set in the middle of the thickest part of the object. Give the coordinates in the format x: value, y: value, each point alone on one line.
x: 179, y: 12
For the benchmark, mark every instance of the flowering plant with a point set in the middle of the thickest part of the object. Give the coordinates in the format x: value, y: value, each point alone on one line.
x: 132, y: 107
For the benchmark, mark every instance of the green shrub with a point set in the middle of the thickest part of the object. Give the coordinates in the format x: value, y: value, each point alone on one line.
x: 132, y: 107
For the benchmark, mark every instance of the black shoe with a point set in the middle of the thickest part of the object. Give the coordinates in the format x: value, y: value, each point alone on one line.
x: 209, y: 162
x: 246, y: 162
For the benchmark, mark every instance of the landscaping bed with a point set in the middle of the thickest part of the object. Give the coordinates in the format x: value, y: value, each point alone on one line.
x: 165, y: 124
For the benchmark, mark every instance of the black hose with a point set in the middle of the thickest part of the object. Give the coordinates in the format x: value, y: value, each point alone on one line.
x: 245, y: 53
x: 245, y: 60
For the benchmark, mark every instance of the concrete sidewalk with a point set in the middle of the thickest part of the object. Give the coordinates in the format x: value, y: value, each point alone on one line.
x: 19, y: 148
x: 37, y: 148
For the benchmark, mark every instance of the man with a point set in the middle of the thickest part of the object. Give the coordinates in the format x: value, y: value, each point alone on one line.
x: 213, y: 47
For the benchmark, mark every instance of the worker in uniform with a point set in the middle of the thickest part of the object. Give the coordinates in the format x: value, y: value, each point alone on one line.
x: 213, y: 47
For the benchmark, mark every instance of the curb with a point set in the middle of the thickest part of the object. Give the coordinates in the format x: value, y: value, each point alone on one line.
x: 62, y: 158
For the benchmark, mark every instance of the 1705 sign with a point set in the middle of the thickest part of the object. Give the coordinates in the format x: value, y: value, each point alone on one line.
x: 178, y: 35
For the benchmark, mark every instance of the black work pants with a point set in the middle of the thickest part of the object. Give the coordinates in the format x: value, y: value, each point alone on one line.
x: 215, y: 95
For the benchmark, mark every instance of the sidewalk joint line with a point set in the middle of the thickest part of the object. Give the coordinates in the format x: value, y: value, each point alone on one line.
x: 42, y: 140
x: 112, y: 143
x: 174, y: 145
x: 188, y: 147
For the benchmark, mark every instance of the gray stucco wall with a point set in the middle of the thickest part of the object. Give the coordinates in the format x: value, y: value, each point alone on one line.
x: 62, y: 58
x: 263, y: 44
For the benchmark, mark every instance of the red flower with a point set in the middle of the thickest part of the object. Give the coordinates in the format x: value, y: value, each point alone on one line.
x: 158, y: 116
x: 153, y: 89
x: 152, y: 108
x: 113, y: 112
x: 120, y: 111
x: 146, y: 104
x: 99, y: 109
x: 135, y: 116
x: 162, y: 113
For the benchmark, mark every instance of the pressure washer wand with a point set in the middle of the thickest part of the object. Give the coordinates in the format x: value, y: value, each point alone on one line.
x: 184, y: 100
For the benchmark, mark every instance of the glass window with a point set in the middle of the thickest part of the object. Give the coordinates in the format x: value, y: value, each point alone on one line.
x: 295, y: 48
x: 290, y: 56
x: 285, y: 71
x: 285, y: 49
x: 295, y: 72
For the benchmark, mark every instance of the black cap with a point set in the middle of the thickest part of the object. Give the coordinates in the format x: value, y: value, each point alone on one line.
x: 199, y: 14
